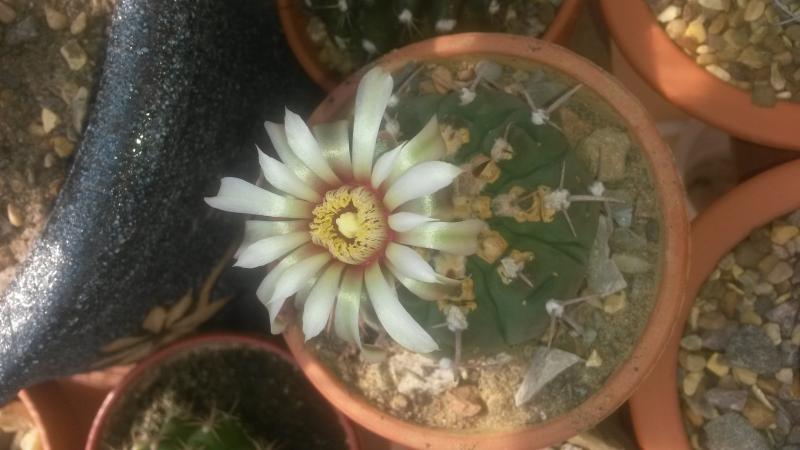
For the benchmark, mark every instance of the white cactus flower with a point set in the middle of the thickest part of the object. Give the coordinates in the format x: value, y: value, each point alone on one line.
x: 338, y: 224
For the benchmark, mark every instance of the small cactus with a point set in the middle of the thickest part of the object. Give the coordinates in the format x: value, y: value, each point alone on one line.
x: 524, y: 180
x: 182, y: 430
x: 360, y: 30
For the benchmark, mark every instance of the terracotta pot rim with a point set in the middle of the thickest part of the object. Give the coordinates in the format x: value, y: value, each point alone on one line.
x: 623, y: 381
x: 689, y: 86
x: 716, y: 232
x: 118, y: 393
x: 30, y: 397
x: 293, y: 25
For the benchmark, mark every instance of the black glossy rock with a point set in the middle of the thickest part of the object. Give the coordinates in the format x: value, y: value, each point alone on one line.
x: 185, y: 87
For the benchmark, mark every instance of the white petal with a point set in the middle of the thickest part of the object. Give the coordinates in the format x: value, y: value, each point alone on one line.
x: 420, y: 180
x: 268, y: 250
x: 302, y: 293
x: 256, y: 230
x: 460, y: 238
x: 277, y: 134
x: 384, y: 165
x: 306, y: 147
x: 239, y: 196
x: 334, y: 140
x: 348, y: 302
x: 427, y: 145
x: 372, y: 97
x: 267, y: 286
x: 319, y: 303
x: 280, y: 176
x: 397, y: 322
x: 410, y: 263
x: 428, y: 291
x: 293, y: 278
x: 404, y: 221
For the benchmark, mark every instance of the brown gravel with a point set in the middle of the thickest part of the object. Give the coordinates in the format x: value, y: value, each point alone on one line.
x: 752, y: 44
x: 49, y: 58
x: 738, y: 368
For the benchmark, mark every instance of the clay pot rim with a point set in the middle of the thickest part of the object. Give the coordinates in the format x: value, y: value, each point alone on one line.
x: 716, y: 231
x: 63, y: 424
x: 294, y: 27
x: 224, y: 338
x: 35, y: 398
x: 692, y: 88
x: 624, y: 380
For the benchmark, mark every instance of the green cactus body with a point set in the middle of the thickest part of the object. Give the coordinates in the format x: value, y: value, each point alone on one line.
x: 378, y: 27
x: 181, y: 431
x: 365, y: 29
x: 511, y: 313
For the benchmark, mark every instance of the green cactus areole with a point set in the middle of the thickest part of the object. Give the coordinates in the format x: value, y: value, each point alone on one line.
x: 350, y: 33
x: 564, y: 277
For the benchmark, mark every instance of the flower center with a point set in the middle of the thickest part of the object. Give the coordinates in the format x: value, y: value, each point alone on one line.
x: 351, y: 223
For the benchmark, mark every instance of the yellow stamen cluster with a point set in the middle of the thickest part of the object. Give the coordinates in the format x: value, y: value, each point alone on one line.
x: 350, y: 223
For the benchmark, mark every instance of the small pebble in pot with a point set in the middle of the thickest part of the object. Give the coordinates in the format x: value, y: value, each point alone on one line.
x: 15, y: 215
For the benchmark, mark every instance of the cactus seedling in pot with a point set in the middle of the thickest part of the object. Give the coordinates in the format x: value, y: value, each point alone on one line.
x: 472, y: 244
x: 183, y: 429
x: 218, y: 392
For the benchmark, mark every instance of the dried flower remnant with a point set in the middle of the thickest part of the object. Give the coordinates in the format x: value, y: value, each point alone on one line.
x: 163, y: 325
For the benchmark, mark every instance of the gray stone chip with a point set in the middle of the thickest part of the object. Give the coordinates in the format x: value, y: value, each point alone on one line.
x: 731, y: 431
x: 752, y: 349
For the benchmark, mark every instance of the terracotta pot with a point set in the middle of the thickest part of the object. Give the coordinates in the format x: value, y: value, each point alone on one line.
x: 655, y: 408
x: 622, y: 383
x: 118, y: 394
x: 63, y: 410
x: 683, y: 82
x: 294, y: 23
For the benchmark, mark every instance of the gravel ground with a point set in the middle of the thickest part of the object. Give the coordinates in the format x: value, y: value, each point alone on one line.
x: 49, y: 58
